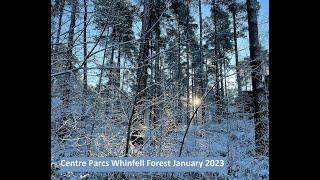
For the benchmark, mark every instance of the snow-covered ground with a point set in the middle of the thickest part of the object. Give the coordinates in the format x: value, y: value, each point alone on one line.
x: 232, y: 139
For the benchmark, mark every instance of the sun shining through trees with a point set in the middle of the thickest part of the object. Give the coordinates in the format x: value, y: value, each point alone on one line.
x: 196, y: 102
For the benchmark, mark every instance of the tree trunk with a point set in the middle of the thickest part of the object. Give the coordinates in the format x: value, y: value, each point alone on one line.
x: 61, y: 6
x: 103, y: 62
x: 118, y: 71
x: 179, y: 77
x: 259, y: 98
x: 217, y: 65
x: 151, y: 111
x: 137, y: 116
x: 221, y: 59
x: 188, y: 86
x: 157, y: 87
x: 85, y: 83
x: 202, y: 87
x: 111, y: 70
x: 236, y: 49
x: 226, y: 110
x: 69, y: 52
x: 67, y: 76
x: 188, y: 67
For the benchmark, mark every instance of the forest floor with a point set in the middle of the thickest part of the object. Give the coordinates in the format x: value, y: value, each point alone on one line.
x: 232, y: 139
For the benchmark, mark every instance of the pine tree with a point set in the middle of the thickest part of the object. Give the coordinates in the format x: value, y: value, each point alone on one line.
x: 85, y: 76
x: 218, y: 41
x: 202, y: 73
x: 238, y: 14
x: 67, y: 76
x: 58, y: 9
x: 259, y: 96
x: 136, y: 122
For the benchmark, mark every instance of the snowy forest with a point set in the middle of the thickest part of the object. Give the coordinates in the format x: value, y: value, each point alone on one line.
x: 161, y: 78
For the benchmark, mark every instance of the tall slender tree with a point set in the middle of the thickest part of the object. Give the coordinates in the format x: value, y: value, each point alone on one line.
x: 157, y: 74
x: 85, y: 23
x: 237, y: 10
x: 259, y: 96
x: 233, y: 9
x: 135, y: 132
x: 188, y: 61
x: 67, y: 76
x: 60, y: 4
x: 202, y: 80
